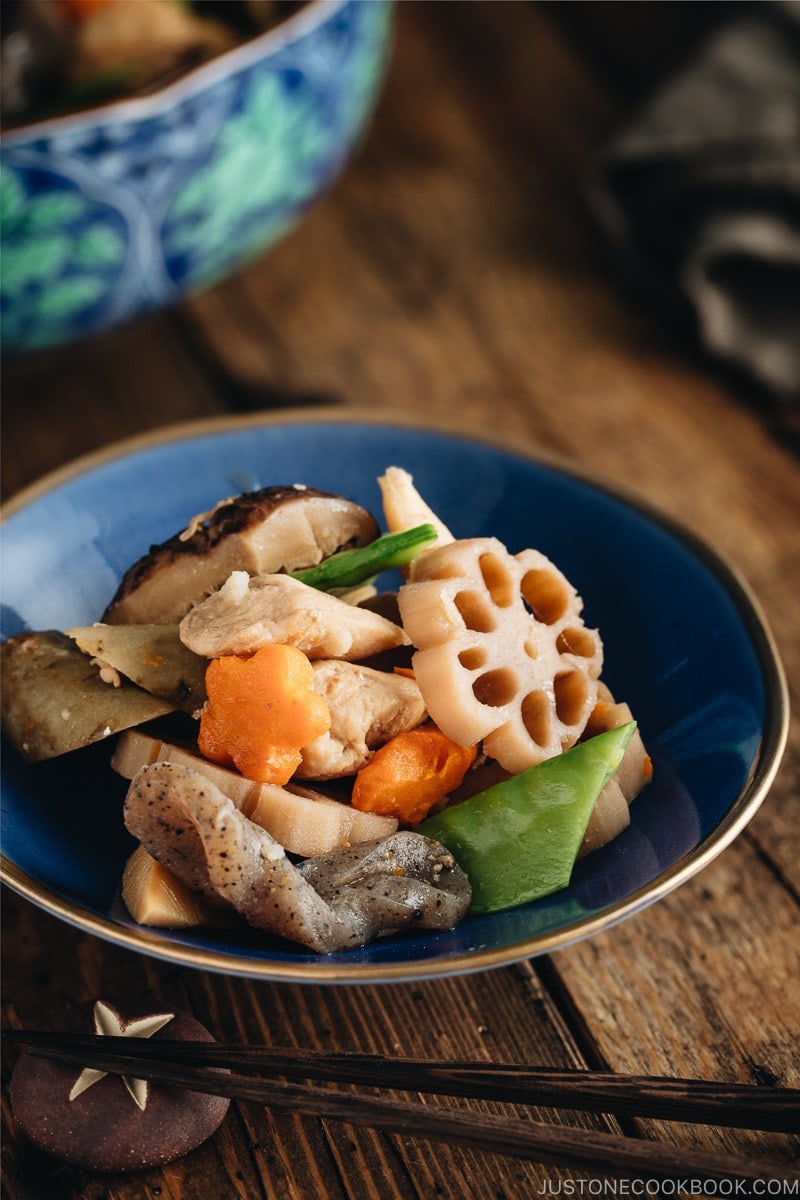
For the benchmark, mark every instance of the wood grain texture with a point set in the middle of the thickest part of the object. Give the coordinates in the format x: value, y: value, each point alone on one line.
x: 454, y: 271
x: 501, y: 1014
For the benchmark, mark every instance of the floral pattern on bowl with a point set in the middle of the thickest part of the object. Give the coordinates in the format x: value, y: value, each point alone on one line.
x: 111, y: 213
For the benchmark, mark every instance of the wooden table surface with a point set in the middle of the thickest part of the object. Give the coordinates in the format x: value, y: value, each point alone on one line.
x: 453, y: 272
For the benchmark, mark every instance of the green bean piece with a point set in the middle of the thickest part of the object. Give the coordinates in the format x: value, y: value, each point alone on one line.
x: 518, y: 841
x: 350, y: 568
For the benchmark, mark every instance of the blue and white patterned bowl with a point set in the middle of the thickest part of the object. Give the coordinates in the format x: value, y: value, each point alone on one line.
x: 122, y: 209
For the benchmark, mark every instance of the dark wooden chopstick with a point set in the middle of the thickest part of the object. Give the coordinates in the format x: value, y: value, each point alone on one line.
x: 537, y: 1141
x: 700, y: 1101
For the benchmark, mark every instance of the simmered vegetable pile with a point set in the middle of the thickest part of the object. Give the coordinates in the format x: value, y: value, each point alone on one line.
x: 350, y: 762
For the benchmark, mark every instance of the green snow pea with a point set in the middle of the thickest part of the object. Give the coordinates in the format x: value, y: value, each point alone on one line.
x: 518, y: 840
x: 349, y: 568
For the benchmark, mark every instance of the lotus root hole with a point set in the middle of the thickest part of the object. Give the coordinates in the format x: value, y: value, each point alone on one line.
x: 475, y: 612
x: 546, y: 595
x: 531, y: 649
x: 473, y: 659
x: 499, y: 583
x: 535, y: 713
x: 496, y: 688
x: 571, y: 695
x: 576, y: 641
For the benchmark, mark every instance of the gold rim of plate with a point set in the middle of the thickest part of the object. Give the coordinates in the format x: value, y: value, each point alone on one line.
x: 743, y: 808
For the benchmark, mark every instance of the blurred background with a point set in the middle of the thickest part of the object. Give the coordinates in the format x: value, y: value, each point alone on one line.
x: 427, y: 205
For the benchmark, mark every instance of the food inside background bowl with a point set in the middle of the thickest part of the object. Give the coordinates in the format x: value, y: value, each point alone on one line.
x: 117, y: 207
x: 60, y: 56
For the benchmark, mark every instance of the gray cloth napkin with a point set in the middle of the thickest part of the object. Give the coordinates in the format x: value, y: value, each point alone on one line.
x: 701, y: 194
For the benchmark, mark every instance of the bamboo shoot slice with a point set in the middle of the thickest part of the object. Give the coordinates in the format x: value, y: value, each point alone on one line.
x: 54, y: 700
x: 154, y: 896
x: 152, y: 656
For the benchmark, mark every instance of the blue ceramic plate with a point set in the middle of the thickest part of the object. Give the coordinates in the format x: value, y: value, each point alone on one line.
x: 685, y: 645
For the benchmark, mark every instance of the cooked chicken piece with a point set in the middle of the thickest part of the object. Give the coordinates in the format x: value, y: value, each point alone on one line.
x: 275, y: 529
x: 367, y: 708
x: 246, y: 614
x: 335, y: 902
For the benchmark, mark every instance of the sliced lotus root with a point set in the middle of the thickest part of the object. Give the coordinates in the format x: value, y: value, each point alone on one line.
x: 502, y: 654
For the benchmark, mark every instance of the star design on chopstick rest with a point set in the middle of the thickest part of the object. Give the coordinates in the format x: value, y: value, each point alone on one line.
x: 108, y: 1022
